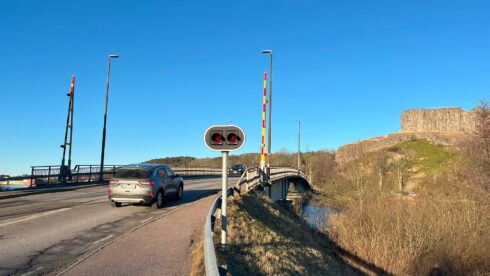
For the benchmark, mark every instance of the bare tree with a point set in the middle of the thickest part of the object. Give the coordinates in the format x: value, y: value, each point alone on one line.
x: 381, y: 167
x: 482, y: 116
x: 401, y: 166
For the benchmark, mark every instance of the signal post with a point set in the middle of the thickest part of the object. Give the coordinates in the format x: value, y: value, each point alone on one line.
x: 224, y: 138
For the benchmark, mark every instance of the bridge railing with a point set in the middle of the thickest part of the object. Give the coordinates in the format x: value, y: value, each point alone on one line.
x: 247, y: 181
x: 187, y: 171
x: 41, y: 175
x: 252, y: 177
x: 51, y: 174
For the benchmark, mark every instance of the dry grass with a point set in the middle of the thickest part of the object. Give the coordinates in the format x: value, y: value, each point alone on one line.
x: 415, y: 237
x: 444, y: 229
x: 197, y: 263
x: 266, y: 239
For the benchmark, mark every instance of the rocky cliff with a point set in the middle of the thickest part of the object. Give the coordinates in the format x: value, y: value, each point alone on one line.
x: 437, y: 120
x: 446, y: 126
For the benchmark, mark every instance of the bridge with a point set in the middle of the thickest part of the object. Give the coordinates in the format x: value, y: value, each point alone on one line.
x: 279, y: 183
x: 74, y: 224
x: 282, y: 181
x: 44, y: 176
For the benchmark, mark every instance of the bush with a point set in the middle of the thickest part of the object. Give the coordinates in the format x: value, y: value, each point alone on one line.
x: 417, y: 236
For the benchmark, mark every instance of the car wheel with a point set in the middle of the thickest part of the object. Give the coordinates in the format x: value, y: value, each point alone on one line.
x: 180, y: 192
x: 116, y: 204
x: 159, y: 200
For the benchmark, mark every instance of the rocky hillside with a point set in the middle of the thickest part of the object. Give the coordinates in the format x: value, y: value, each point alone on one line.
x: 445, y: 126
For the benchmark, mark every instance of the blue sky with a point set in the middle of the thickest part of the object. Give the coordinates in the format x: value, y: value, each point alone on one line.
x: 346, y: 69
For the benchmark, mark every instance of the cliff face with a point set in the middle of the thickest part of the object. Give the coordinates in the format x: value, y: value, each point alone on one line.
x: 437, y: 120
x: 446, y: 126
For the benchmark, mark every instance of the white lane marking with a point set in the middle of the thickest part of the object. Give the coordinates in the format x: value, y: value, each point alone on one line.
x: 103, y: 239
x: 146, y: 219
x: 30, y: 217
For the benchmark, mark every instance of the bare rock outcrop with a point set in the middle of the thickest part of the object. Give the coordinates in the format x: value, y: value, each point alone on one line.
x: 436, y: 120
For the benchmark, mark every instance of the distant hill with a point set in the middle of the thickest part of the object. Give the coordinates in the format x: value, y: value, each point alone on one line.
x: 445, y: 126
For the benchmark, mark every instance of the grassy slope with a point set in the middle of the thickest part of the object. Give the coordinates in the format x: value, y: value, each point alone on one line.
x: 266, y: 239
x: 429, y: 157
x: 445, y: 228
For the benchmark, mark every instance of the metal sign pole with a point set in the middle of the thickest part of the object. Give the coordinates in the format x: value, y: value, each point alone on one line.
x: 224, y: 138
x: 224, y: 188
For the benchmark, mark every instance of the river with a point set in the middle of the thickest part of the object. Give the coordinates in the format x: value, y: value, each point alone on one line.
x: 314, y: 212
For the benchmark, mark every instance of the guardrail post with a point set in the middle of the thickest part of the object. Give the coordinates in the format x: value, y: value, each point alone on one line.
x: 90, y: 173
x: 32, y: 176
x: 49, y: 173
x: 78, y: 172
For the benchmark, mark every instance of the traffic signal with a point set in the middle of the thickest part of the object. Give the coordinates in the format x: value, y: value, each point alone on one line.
x: 224, y: 138
x: 217, y: 138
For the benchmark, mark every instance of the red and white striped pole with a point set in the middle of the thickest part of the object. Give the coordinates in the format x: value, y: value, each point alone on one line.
x: 72, y: 86
x: 264, y: 104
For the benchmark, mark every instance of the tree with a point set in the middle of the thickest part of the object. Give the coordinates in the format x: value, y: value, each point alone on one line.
x: 381, y: 167
x: 401, y: 166
x: 482, y: 128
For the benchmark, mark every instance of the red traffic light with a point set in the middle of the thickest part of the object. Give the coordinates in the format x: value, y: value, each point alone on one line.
x: 232, y: 139
x: 224, y: 138
x: 217, y: 138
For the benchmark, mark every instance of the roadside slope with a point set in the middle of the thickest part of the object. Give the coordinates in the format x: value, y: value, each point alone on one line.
x: 266, y: 239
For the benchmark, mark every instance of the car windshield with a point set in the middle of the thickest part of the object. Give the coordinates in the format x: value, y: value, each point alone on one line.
x: 133, y: 173
x: 236, y: 167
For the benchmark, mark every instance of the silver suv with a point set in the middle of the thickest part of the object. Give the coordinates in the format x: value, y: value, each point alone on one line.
x: 146, y: 184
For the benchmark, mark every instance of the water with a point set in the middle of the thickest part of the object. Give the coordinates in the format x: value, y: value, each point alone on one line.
x: 315, y: 214
x: 11, y: 188
x: 312, y: 211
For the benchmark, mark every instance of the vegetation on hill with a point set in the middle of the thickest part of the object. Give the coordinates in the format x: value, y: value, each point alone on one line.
x: 416, y: 208
x: 266, y: 239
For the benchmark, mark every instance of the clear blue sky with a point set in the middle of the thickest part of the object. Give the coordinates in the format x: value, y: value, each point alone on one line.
x: 346, y: 69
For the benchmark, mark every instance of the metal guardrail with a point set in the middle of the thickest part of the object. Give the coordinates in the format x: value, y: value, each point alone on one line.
x: 51, y: 174
x: 210, y: 262
x: 41, y: 175
x: 196, y: 171
x: 248, y: 180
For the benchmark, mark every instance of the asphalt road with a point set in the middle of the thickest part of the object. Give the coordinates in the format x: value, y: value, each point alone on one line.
x: 48, y: 232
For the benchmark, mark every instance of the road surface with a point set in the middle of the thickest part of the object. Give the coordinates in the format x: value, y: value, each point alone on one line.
x: 48, y: 232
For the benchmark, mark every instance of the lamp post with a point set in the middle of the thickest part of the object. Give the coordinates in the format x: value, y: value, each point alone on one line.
x: 101, y: 175
x: 270, y: 108
x: 299, y: 144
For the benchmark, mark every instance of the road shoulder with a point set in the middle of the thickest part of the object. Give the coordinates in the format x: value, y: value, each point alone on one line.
x: 161, y: 247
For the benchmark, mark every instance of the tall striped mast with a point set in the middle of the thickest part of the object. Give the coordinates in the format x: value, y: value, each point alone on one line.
x: 264, y: 104
x: 65, y: 170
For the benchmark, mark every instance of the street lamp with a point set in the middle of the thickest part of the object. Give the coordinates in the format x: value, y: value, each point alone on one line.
x: 270, y: 108
x: 299, y: 144
x: 101, y: 175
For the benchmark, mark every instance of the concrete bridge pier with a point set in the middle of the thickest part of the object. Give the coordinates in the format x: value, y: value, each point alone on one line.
x: 282, y: 189
x: 278, y: 190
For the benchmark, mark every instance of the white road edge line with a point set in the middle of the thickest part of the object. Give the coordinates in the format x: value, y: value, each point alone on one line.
x: 146, y: 219
x: 103, y: 239
x: 30, y: 217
